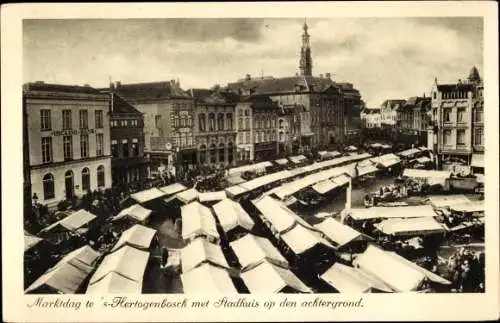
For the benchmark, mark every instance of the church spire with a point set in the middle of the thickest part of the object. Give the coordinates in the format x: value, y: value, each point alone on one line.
x: 305, y: 64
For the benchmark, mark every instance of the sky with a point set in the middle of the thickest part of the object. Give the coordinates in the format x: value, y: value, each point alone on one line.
x: 385, y: 58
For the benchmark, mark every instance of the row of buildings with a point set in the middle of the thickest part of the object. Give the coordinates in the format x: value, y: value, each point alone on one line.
x: 450, y: 122
x: 79, y: 138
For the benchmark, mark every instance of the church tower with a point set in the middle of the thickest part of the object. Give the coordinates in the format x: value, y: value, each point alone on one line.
x: 305, y: 64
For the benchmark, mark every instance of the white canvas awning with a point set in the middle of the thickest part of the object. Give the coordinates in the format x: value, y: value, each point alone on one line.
x: 135, y: 212
x: 347, y: 279
x: 440, y: 201
x: 367, y: 170
x: 251, y: 250
x: 147, y: 195
x: 351, y: 148
x: 200, y: 251
x: 385, y: 146
x: 386, y: 160
x: 137, y: 236
x: 212, y: 196
x: 187, y: 196
x: 114, y: 283
x: 127, y: 261
x: 231, y: 215
x: 477, y: 160
x: 297, y: 159
x: 409, y: 152
x: 208, y: 279
x: 235, y: 179
x: 342, y: 179
x: 265, y: 180
x: 376, y: 145
x: 68, y: 275
x: 30, y: 241
x: 173, y: 189
x: 282, y: 161
x: 410, y: 226
x: 395, y: 271
x: 301, y: 239
x: 267, y: 278
x: 235, y: 190
x: 338, y: 233
x: 72, y: 222
x: 325, y: 186
x: 418, y: 211
x: 197, y: 219
x: 432, y: 176
x: 469, y: 207
x: 250, y: 168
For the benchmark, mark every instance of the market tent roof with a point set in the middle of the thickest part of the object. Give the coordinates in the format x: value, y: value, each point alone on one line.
x: 250, y: 168
x: 341, y: 179
x: 409, y: 152
x: 282, y: 161
x: 269, y: 278
x: 471, y: 206
x: 197, y: 219
x: 235, y: 190
x: 376, y: 145
x: 301, y: 239
x: 187, y: 196
x: 235, y: 179
x: 207, y: 279
x: 252, y: 250
x: 278, y: 215
x: 199, y: 251
x: 173, y: 188
x: 336, y: 161
x: 137, y: 236
x: 386, y: 160
x: 440, y: 201
x: 347, y: 279
x: 418, y: 211
x: 231, y: 215
x: 136, y: 212
x: 69, y: 273
x: 340, y: 234
x: 212, y: 196
x: 30, y: 241
x: 329, y: 154
x: 351, y: 148
x: 72, y: 222
x: 385, y: 146
x: 367, y: 170
x: 265, y: 180
x: 433, y: 176
x: 477, y: 160
x: 396, y: 272
x: 147, y: 195
x: 297, y: 159
x: 410, y: 226
x: 325, y: 186
x: 114, y: 283
x: 423, y: 160
x: 127, y: 261
x: 422, y: 148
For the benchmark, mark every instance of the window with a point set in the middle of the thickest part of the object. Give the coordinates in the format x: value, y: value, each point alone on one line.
x: 246, y: 113
x: 461, y: 115
x: 84, y: 146
x: 478, y: 136
x: 68, y: 147
x: 100, y: 176
x: 84, y: 119
x: 221, y: 153
x: 203, y: 154
x: 99, y: 147
x: 176, y: 121
x: 220, y: 122
x: 461, y: 137
x: 240, y: 138
x: 247, y: 123
x: 85, y: 179
x: 45, y: 120
x: 447, y: 137
x: 67, y: 120
x: 114, y: 149
x: 202, y: 122
x: 230, y: 153
x: 135, y: 147
x: 248, y: 137
x: 479, y: 116
x: 240, y: 123
x: 212, y: 154
x: 158, y: 121
x: 189, y: 121
x: 48, y: 187
x: 447, y: 115
x: 98, y: 119
x: 229, y: 121
x: 125, y: 149
x: 211, y: 122
x: 46, y: 149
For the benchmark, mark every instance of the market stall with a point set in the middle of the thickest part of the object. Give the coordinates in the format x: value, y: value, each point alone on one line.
x: 147, y: 195
x: 139, y: 237
x: 233, y: 218
x: 345, y: 279
x: 187, y: 196
x: 208, y: 279
x: 197, y: 220
x: 342, y: 236
x: 210, y: 198
x: 410, y: 227
x: 200, y: 251
x: 133, y: 214
x: 252, y: 250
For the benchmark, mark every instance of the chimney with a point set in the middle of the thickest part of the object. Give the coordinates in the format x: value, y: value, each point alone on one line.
x: 423, y: 95
x: 248, y: 77
x: 328, y: 76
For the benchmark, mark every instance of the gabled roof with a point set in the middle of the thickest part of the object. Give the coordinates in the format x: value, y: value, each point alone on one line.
x: 455, y: 87
x: 122, y: 106
x: 261, y: 101
x: 282, y: 85
x: 214, y: 96
x: 47, y: 87
x: 393, y: 104
x: 149, y: 91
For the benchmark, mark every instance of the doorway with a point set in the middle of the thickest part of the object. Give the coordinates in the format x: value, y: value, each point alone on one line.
x: 69, y: 184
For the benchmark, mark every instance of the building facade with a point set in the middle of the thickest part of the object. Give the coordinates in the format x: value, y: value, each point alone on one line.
x: 353, y: 104
x: 456, y: 135
x: 370, y: 118
x: 244, y: 137
x: 215, y: 131
x: 289, y: 128
x: 128, y: 163
x: 389, y: 112
x: 69, y: 140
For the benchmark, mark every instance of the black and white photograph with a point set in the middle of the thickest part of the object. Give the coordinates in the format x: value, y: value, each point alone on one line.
x: 255, y: 155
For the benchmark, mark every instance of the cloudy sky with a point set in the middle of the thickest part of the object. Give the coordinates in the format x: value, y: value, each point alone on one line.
x: 383, y: 57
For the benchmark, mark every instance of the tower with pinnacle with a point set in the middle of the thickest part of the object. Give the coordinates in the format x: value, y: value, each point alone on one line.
x: 305, y: 64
